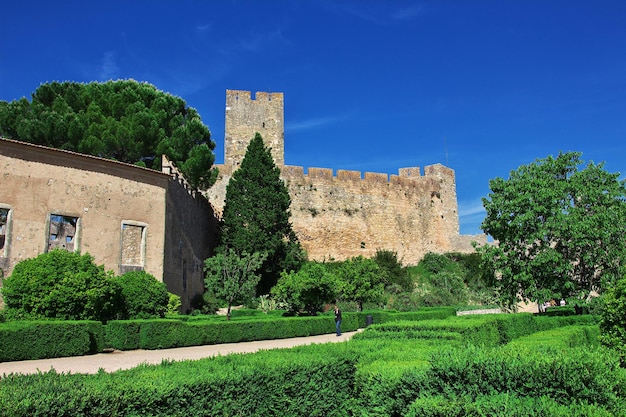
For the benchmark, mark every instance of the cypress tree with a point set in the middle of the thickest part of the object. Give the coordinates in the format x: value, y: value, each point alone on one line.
x: 256, y: 216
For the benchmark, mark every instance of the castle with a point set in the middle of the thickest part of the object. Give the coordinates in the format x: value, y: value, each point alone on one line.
x: 347, y: 214
x: 132, y: 218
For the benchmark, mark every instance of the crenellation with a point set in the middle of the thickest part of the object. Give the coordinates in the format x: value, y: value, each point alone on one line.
x: 350, y: 213
x: 345, y: 175
x: 410, y: 172
x: 375, y: 177
x: 321, y: 173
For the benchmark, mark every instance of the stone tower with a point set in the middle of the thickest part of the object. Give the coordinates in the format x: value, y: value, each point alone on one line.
x: 245, y: 116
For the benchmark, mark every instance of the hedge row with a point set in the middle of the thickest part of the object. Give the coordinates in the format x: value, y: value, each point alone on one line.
x: 24, y: 340
x: 267, y: 383
x: 49, y: 339
x: 461, y: 377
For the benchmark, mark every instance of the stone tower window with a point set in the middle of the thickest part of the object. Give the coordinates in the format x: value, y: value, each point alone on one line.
x: 133, y: 246
x: 62, y: 232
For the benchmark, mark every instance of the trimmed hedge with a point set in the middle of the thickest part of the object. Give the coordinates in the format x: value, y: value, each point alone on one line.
x: 267, y: 383
x: 25, y: 340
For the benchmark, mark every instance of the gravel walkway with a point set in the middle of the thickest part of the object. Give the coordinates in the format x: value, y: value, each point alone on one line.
x: 117, y: 360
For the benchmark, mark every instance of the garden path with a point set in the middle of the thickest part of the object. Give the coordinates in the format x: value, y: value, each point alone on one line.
x: 118, y: 360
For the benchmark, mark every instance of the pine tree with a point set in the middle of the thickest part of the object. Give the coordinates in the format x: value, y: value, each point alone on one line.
x: 256, y: 215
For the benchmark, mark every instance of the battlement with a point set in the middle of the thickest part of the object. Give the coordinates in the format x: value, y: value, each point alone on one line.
x: 406, y: 176
x: 246, y: 97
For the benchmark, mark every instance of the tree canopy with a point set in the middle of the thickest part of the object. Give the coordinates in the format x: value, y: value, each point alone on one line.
x: 124, y: 120
x: 232, y: 277
x: 256, y: 215
x: 559, y: 229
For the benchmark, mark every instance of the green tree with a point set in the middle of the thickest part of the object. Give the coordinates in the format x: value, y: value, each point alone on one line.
x: 613, y: 319
x: 232, y: 277
x: 62, y: 285
x: 395, y: 273
x: 256, y: 215
x: 307, y: 289
x: 361, y: 280
x: 144, y: 296
x: 123, y: 120
x: 559, y: 228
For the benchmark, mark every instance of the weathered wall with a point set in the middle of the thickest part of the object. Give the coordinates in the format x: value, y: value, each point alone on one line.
x: 347, y: 214
x: 338, y: 217
x: 129, y: 217
x: 191, y: 235
x: 246, y: 116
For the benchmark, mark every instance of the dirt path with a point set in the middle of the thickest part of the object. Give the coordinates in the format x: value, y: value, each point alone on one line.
x: 117, y: 360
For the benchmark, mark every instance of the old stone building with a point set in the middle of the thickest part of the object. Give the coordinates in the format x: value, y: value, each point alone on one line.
x: 347, y: 214
x: 132, y: 218
x: 127, y: 217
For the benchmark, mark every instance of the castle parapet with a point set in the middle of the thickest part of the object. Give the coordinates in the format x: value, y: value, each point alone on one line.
x: 321, y: 173
x: 411, y: 172
x: 375, y: 177
x: 343, y: 174
x: 292, y: 172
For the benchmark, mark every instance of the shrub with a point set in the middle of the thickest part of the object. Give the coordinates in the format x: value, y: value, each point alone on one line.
x: 61, y: 285
x: 613, y: 319
x: 144, y: 296
x: 308, y: 289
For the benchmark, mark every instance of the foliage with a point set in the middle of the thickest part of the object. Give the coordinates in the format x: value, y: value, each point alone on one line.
x: 308, y: 289
x: 123, y: 120
x: 361, y: 280
x: 29, y: 340
x: 396, y: 274
x: 256, y: 215
x: 613, y: 319
x: 144, y: 296
x: 559, y: 229
x: 231, y: 277
x: 62, y: 285
x: 267, y: 304
x: 174, y: 304
x: 451, y: 279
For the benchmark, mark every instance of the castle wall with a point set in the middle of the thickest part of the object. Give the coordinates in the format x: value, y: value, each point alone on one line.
x: 346, y: 215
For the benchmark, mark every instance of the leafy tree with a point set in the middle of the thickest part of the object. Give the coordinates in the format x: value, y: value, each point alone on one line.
x: 123, y: 120
x: 62, y: 285
x: 256, y: 215
x: 560, y: 229
x: 395, y: 273
x: 307, y: 289
x: 144, y: 296
x: 361, y: 281
x: 232, y: 277
x: 613, y: 319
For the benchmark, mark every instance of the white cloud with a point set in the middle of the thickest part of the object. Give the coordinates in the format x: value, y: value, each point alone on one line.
x: 108, y: 69
x: 310, y: 124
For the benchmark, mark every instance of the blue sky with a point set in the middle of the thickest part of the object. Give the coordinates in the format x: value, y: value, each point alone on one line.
x: 480, y: 86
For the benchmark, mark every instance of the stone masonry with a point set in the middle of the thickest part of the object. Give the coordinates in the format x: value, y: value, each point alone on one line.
x: 347, y: 214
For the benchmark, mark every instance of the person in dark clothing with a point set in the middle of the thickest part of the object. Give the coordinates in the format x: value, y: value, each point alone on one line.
x: 338, y: 320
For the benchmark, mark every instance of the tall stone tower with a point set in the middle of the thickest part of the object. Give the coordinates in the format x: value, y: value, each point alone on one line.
x: 246, y: 116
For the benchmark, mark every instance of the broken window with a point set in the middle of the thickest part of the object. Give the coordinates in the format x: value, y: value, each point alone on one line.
x: 133, y: 246
x: 62, y: 232
x: 4, y: 226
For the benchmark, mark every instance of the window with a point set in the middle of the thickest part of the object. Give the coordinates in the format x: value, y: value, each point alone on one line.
x: 133, y: 246
x: 5, y: 220
x: 62, y: 231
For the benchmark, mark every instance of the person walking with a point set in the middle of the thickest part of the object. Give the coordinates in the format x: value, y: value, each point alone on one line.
x: 338, y: 320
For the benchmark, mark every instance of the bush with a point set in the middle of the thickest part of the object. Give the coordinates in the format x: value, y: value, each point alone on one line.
x: 61, y: 285
x: 308, y: 289
x: 144, y: 296
x: 613, y: 319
